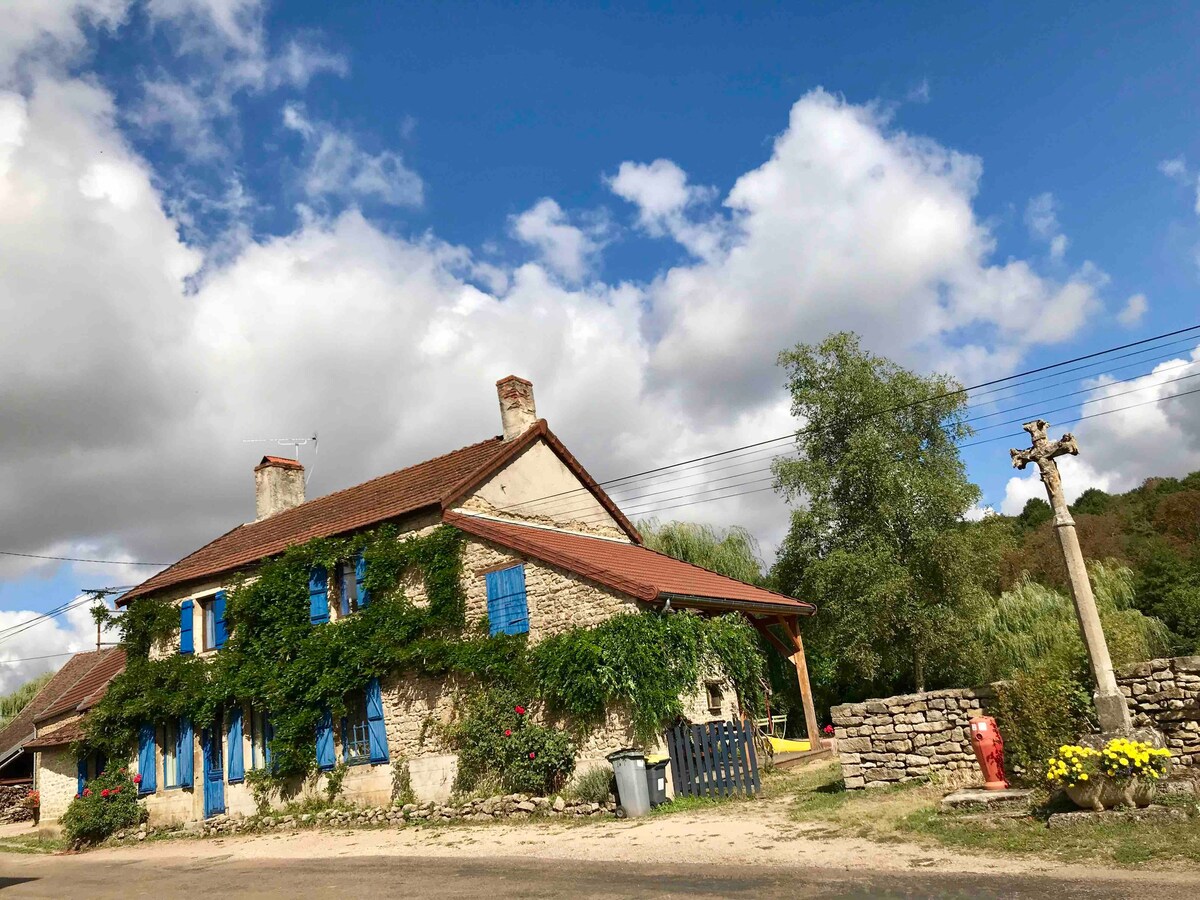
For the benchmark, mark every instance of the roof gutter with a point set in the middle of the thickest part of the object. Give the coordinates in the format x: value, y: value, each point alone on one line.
x: 772, y: 609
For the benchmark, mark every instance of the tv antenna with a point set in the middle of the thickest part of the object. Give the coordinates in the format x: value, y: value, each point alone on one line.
x: 295, y: 444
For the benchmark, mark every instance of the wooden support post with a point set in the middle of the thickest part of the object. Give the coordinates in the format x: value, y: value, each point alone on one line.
x: 792, y: 627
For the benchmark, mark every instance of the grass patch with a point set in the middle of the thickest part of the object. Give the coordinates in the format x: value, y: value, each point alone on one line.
x: 910, y: 812
x: 32, y: 843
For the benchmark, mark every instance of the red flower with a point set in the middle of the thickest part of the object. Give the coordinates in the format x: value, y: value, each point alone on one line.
x: 104, y: 793
x: 137, y: 779
x: 77, y: 796
x: 829, y: 729
x: 115, y: 790
x: 87, y: 792
x: 520, y: 710
x: 508, y: 732
x: 532, y: 755
x: 125, y: 771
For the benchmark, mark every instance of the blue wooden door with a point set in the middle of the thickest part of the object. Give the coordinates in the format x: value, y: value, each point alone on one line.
x: 214, y: 773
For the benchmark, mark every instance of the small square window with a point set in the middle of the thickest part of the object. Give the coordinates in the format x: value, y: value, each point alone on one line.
x: 715, y: 696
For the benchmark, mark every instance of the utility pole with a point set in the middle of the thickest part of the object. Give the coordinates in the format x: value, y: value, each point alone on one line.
x: 1110, y: 702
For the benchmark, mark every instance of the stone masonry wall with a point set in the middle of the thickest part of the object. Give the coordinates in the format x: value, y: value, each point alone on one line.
x: 57, y: 780
x: 881, y: 742
x: 1165, y: 694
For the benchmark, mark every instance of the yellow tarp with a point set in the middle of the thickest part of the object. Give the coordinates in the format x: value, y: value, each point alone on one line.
x: 781, y: 745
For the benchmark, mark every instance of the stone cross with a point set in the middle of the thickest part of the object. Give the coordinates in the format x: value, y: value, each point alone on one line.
x: 1110, y: 703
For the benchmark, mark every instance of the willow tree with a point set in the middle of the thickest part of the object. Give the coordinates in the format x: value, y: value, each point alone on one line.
x: 731, y: 551
x: 878, y: 539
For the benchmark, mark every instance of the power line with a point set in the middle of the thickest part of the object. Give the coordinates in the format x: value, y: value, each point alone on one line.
x: 13, y: 662
x: 1006, y: 381
x: 688, y: 499
x: 638, y: 508
x: 110, y: 562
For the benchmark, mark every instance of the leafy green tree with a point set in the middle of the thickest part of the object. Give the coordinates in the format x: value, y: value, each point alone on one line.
x: 11, y: 704
x: 730, y: 551
x: 1168, y: 587
x: 879, y: 540
x: 1034, y: 513
x: 1093, y: 502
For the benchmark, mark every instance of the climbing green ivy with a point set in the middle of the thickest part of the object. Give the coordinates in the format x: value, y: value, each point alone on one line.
x: 276, y: 660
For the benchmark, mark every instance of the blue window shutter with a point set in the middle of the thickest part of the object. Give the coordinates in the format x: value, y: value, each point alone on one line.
x: 81, y: 775
x: 237, y: 763
x: 360, y: 578
x: 147, y: 767
x: 508, y: 611
x: 218, y: 612
x: 375, y: 726
x: 185, y: 754
x: 318, y: 596
x: 325, y: 757
x: 101, y: 763
x: 185, y: 627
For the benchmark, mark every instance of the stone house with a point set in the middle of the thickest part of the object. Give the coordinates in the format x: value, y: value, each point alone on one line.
x: 546, y: 550
x: 56, y: 717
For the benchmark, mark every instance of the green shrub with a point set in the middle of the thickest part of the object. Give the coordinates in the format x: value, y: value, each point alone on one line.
x: 402, y: 789
x: 497, y: 742
x: 1037, y: 712
x: 108, y: 804
x: 593, y: 786
x: 334, y: 780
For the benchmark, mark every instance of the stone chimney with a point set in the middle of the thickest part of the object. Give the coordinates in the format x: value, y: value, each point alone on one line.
x: 278, y: 485
x: 517, y: 412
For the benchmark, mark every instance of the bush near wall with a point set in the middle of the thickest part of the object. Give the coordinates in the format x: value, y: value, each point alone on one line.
x: 107, y: 804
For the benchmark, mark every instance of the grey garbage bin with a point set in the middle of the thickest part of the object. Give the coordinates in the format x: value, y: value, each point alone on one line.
x: 656, y: 781
x: 629, y: 766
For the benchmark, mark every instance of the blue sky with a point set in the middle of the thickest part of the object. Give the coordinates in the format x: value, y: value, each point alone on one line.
x: 231, y: 219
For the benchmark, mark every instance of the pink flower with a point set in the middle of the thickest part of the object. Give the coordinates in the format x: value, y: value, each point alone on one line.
x: 104, y: 793
x: 137, y: 779
x: 508, y: 732
x: 532, y: 755
x: 520, y: 710
x: 87, y: 792
x: 829, y: 729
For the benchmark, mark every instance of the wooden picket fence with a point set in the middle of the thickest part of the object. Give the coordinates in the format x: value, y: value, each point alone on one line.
x: 713, y: 760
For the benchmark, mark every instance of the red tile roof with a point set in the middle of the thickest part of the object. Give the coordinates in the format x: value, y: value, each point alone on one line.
x: 87, y: 689
x: 19, y: 730
x: 56, y: 737
x: 436, y: 483
x: 631, y: 569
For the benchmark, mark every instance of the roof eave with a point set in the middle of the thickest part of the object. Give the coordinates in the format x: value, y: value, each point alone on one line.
x: 800, y: 608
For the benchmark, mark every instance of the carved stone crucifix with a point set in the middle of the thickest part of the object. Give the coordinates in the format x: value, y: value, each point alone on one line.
x: 1110, y: 703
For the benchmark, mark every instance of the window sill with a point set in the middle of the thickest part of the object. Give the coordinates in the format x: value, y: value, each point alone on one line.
x: 235, y: 780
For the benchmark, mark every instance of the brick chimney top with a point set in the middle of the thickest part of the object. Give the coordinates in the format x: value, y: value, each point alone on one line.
x: 278, y: 485
x: 517, y: 410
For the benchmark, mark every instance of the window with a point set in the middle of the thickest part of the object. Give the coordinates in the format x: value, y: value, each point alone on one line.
x: 214, y: 621
x: 508, y: 609
x: 260, y: 737
x: 715, y: 696
x: 186, y: 643
x: 170, y: 758
x: 356, y: 736
x: 350, y: 577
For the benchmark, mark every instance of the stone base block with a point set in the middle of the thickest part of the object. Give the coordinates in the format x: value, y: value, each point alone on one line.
x: 977, y: 798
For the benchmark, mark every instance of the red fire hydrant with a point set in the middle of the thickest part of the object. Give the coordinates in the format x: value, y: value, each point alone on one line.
x: 989, y: 751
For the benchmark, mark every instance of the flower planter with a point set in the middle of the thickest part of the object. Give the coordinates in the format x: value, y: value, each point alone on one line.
x: 1105, y: 793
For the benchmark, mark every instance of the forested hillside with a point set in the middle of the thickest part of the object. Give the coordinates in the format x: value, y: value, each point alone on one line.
x: 1154, y: 530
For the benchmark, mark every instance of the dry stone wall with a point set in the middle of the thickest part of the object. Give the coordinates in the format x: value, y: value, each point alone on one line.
x: 13, y: 805
x: 1165, y: 694
x: 881, y: 742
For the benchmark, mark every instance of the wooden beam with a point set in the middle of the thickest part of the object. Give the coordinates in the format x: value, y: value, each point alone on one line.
x: 792, y: 627
x: 766, y: 632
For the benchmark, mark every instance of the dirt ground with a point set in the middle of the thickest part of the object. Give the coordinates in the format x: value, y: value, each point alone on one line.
x: 757, y: 835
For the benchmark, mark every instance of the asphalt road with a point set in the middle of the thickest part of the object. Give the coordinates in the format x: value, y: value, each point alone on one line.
x: 417, y: 877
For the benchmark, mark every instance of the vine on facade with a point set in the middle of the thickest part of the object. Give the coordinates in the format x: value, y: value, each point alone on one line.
x: 276, y: 661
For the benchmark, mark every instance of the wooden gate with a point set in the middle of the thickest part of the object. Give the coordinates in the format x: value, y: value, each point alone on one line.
x: 713, y: 760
